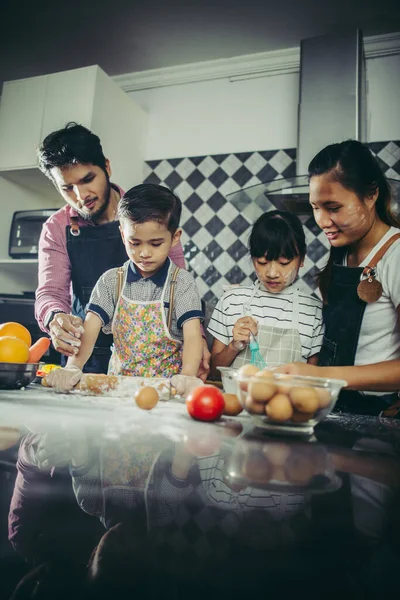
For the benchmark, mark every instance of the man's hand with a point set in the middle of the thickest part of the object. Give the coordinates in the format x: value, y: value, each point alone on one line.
x: 63, y: 380
x: 65, y: 331
x: 204, y: 368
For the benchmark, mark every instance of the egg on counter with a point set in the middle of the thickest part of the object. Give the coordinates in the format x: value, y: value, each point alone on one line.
x: 146, y: 397
x: 232, y: 405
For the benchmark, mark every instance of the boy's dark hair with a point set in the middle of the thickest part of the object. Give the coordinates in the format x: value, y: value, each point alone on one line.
x: 151, y: 202
x: 277, y: 233
x: 68, y: 146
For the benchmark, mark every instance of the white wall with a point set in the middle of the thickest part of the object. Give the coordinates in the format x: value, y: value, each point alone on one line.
x: 218, y: 116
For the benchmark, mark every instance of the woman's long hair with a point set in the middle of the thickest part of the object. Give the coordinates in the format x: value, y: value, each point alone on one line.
x: 352, y: 164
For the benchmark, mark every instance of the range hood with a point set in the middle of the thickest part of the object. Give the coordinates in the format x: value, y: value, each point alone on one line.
x: 332, y: 108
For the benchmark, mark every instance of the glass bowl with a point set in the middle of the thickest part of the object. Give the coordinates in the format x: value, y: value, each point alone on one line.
x: 291, y: 404
x: 228, y: 376
x: 14, y: 376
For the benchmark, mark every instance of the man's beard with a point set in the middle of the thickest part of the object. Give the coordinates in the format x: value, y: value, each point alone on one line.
x: 94, y: 216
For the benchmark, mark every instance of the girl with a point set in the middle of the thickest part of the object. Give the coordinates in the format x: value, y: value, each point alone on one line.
x: 288, y: 322
x: 360, y: 285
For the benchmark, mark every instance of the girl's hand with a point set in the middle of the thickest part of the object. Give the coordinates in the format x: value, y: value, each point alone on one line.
x: 299, y: 368
x: 241, y: 331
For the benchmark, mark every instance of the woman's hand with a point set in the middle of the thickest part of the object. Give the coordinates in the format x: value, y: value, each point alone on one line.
x: 241, y: 331
x: 299, y: 368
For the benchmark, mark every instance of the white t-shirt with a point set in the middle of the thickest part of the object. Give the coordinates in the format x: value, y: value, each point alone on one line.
x: 271, y: 310
x: 380, y: 335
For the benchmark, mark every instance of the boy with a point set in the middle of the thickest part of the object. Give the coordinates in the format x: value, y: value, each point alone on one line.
x: 151, y: 307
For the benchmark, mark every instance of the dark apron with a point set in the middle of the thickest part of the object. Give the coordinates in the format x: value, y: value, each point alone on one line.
x: 343, y: 317
x: 92, y: 253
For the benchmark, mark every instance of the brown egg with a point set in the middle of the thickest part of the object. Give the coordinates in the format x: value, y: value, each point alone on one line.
x: 232, y: 405
x: 264, y: 374
x: 261, y: 391
x: 304, y: 399
x: 245, y: 372
x: 299, y: 417
x: 146, y: 398
x: 279, y: 408
x: 255, y: 408
x: 324, y: 398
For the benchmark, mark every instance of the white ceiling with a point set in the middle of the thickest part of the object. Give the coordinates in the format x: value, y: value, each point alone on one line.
x: 126, y: 35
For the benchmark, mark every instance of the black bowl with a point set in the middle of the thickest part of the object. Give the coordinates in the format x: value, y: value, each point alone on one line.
x: 14, y: 376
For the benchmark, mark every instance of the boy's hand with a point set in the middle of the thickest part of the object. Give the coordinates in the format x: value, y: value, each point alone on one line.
x: 184, y: 384
x: 63, y: 380
x: 204, y: 368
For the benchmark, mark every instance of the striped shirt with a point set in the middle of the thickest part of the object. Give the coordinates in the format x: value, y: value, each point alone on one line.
x: 54, y: 292
x: 187, y: 304
x: 274, y: 310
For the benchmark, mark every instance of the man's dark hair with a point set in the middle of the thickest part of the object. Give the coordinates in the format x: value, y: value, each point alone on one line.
x: 151, y: 202
x: 68, y: 146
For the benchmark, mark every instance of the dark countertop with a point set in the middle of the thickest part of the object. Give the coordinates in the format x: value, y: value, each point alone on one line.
x: 211, y: 510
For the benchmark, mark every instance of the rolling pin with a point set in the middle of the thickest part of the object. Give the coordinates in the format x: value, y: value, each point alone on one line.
x: 95, y: 383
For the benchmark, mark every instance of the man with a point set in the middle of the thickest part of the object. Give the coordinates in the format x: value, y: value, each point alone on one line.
x: 80, y: 241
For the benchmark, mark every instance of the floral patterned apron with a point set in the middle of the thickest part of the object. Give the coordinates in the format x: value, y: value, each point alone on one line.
x: 278, y: 346
x: 143, y: 346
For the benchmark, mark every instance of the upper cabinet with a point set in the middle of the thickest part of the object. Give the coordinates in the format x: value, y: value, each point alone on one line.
x: 32, y: 108
x: 21, y: 118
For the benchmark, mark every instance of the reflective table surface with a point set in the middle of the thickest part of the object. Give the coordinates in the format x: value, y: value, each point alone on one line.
x: 99, y: 499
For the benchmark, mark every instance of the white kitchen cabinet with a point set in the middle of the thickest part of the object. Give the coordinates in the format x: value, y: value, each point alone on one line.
x: 69, y: 97
x: 32, y: 108
x: 21, y: 119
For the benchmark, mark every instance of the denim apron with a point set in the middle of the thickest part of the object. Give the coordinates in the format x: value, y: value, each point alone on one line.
x: 343, y: 317
x: 92, y: 251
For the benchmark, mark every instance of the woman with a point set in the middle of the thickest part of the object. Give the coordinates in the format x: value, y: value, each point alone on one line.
x: 351, y: 200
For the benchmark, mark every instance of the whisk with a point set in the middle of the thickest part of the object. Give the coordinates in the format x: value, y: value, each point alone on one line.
x: 256, y: 358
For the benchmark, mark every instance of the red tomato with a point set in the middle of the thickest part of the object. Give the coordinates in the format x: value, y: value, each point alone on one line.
x: 205, y: 403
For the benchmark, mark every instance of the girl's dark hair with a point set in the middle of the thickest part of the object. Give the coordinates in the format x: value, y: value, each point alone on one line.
x: 151, y: 202
x: 68, y: 146
x: 352, y: 164
x: 277, y: 233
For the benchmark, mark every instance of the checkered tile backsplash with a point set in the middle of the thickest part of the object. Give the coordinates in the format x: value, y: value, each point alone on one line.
x: 215, y: 233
